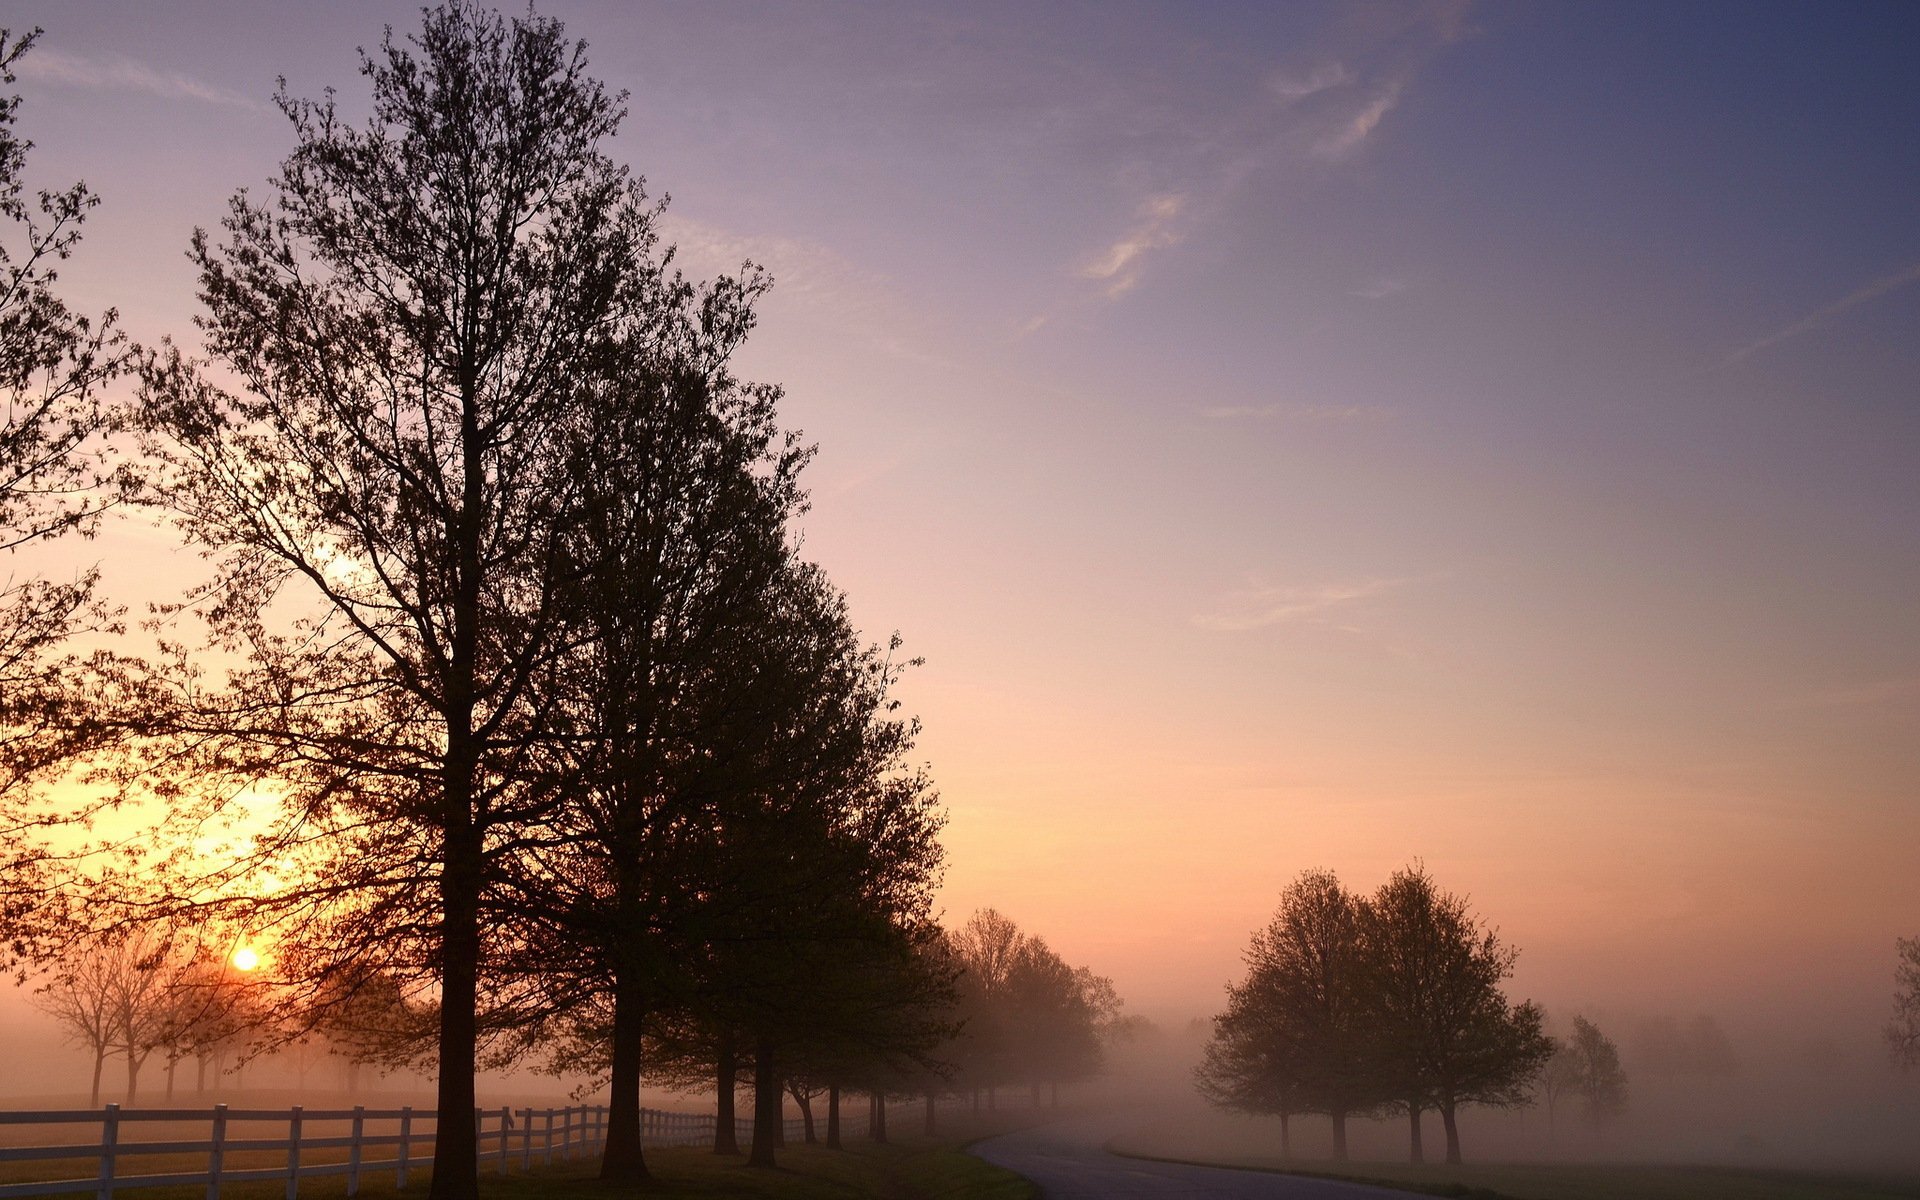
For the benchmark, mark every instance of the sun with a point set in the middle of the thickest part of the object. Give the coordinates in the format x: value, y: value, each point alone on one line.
x: 246, y: 958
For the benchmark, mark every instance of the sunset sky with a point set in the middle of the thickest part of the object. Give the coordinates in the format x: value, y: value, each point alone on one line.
x: 1294, y: 436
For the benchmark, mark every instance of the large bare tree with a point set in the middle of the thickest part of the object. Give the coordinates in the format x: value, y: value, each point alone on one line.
x: 384, y: 464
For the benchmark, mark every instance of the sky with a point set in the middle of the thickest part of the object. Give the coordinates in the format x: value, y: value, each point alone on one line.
x: 1294, y: 436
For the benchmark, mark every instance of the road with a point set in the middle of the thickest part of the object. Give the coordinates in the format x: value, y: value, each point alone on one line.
x: 1068, y: 1162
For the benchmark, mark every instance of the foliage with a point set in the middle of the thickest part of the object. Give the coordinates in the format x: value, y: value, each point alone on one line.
x: 1353, y: 1006
x: 54, y: 477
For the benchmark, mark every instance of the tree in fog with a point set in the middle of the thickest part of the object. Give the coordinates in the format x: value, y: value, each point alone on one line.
x: 114, y: 997
x: 412, y: 327
x: 1250, y: 1063
x: 1597, y: 1077
x: 1903, y: 1031
x: 1307, y: 980
x: 1697, y: 1047
x: 53, y: 365
x: 1445, y: 1034
x: 1559, y: 1078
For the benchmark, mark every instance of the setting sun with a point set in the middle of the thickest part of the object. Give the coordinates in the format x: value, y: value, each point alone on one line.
x: 246, y: 958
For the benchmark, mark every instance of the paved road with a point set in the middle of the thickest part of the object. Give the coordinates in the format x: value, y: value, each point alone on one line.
x: 1068, y: 1163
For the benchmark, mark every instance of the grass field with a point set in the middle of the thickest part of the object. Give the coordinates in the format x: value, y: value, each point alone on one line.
x: 1595, y: 1181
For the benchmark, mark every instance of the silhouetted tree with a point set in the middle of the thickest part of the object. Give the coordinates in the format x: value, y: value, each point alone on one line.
x: 413, y: 326
x: 1446, y: 1036
x: 1903, y: 1031
x: 53, y: 364
x: 1251, y: 1063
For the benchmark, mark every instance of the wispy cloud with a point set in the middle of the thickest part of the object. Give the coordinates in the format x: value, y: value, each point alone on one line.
x: 1313, y: 414
x: 1260, y: 606
x: 1853, y: 299
x: 119, y: 73
x: 1356, y: 125
x: 1287, y: 86
x: 1118, y: 266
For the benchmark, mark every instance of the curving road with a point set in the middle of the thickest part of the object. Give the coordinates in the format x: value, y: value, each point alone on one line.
x: 1069, y: 1162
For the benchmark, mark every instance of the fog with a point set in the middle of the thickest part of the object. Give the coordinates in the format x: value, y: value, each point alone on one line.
x: 1817, y: 1101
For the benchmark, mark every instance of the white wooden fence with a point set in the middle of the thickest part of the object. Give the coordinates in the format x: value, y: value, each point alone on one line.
x: 508, y: 1137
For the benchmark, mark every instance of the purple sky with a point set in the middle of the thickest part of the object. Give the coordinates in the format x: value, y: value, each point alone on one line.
x: 1295, y: 435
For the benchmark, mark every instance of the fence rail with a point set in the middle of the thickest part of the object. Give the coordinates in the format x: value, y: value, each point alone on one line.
x: 508, y: 1138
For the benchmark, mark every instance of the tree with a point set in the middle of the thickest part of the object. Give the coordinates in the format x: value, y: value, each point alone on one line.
x: 1251, y: 1063
x: 1559, y: 1078
x: 415, y: 326
x: 1307, y: 970
x: 1903, y: 1031
x: 116, y: 998
x: 1598, y: 1078
x: 1446, y: 1035
x: 54, y: 363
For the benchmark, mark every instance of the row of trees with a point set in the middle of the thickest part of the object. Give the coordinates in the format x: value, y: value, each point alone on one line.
x: 133, y: 997
x: 1364, y: 1006
x: 508, y: 692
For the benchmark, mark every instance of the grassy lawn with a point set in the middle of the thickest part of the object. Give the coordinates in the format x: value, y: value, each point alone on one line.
x: 1597, y: 1181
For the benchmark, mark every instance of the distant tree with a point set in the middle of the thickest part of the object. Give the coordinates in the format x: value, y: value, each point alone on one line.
x: 1252, y: 1062
x: 81, y: 996
x: 1446, y: 1035
x: 1307, y: 989
x: 1599, y: 1080
x: 1903, y: 1031
x: 1698, y: 1047
x: 1559, y: 1078
x: 54, y: 363
x: 116, y: 998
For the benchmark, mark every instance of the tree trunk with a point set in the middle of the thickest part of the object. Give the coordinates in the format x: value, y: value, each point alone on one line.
x: 624, y: 1159
x: 833, y: 1116
x: 1453, y: 1132
x: 199, y: 1074
x: 1340, y: 1135
x: 99, y: 1065
x: 725, y: 1141
x: 1416, y: 1151
x: 766, y: 1107
x: 930, y: 1119
x: 878, y: 1128
x: 456, y: 1170
x: 173, y: 1064
x: 133, y: 1074
x: 1286, y: 1136
x: 805, y: 1104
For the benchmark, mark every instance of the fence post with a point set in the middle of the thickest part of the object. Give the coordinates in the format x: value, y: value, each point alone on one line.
x: 549, y: 1147
x: 353, y: 1151
x: 526, y: 1139
x: 216, y: 1151
x: 566, y: 1133
x: 109, y: 1138
x: 506, y: 1123
x: 293, y: 1154
x: 406, y: 1139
